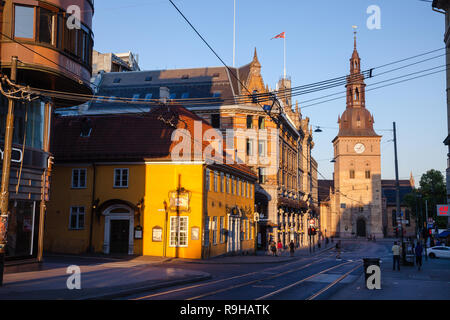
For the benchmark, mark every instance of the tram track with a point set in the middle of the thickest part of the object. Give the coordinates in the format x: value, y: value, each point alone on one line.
x: 264, y: 272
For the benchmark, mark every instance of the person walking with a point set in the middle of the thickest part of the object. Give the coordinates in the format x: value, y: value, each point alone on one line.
x: 279, y: 247
x: 418, y: 252
x: 273, y: 248
x: 291, y: 248
x: 396, y: 250
x: 326, y: 241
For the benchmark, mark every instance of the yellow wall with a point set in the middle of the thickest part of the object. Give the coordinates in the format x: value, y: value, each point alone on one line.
x: 58, y: 237
x: 161, y: 179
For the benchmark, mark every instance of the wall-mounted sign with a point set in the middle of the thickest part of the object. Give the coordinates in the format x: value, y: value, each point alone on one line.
x: 179, y: 200
x: 442, y: 210
x: 16, y: 155
x: 138, y: 232
x: 157, y: 234
x: 195, y: 233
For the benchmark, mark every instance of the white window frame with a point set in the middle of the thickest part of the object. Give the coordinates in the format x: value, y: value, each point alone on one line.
x: 77, y: 186
x: 221, y: 228
x: 122, y: 170
x: 172, y: 229
x: 214, y: 230
x: 75, y: 210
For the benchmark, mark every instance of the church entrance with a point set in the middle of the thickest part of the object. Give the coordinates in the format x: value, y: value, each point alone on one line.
x: 361, y: 227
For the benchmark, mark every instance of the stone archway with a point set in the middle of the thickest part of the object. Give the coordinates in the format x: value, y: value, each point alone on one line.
x: 361, y: 227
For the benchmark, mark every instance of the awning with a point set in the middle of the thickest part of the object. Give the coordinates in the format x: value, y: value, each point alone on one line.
x: 444, y: 234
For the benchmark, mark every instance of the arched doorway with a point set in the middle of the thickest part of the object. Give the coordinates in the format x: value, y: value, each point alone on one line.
x: 361, y: 227
x: 119, y: 228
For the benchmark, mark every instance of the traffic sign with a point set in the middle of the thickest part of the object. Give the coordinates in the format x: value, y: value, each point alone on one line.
x: 311, y: 222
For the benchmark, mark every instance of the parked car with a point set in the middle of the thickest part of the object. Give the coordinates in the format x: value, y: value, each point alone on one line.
x: 439, y: 252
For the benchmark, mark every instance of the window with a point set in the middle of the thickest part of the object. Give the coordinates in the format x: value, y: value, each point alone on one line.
x: 249, y: 122
x: 172, y: 96
x: 262, y: 148
x: 251, y: 191
x: 249, y: 147
x: 238, y: 182
x: 116, y: 80
x: 136, y: 96
x: 24, y: 22
x: 242, y: 189
x: 120, y: 178
x: 185, y: 95
x: 232, y: 185
x: 76, y: 218
x: 45, y: 25
x: 221, y: 230
x: 179, y: 231
x: 79, y: 178
x: 215, y: 181
x: 261, y: 175
x: 221, y: 182
x: 215, y: 120
x: 352, y: 174
x: 214, y: 230
x: 217, y: 94
x: 261, y: 123
x: 148, y: 96
x: 228, y: 183
x: 367, y: 174
x: 148, y: 78
x: 246, y: 189
x: 207, y: 180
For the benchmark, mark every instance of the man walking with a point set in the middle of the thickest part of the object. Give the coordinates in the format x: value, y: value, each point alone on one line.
x: 396, y: 255
x: 291, y: 248
x: 418, y: 252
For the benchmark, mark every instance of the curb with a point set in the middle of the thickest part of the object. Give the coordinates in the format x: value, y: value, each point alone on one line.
x: 127, y: 292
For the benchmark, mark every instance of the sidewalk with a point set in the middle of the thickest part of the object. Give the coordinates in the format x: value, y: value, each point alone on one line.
x: 431, y: 283
x: 105, y: 277
x: 99, y: 280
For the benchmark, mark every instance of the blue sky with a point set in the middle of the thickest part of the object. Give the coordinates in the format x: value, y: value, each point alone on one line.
x: 319, y: 43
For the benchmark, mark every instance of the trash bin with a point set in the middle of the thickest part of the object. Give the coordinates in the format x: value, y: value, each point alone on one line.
x: 369, y: 262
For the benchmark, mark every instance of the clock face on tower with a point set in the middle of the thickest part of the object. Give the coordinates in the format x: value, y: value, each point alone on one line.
x: 359, y: 148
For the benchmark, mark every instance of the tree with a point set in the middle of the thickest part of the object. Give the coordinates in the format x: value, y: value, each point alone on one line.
x: 433, y: 190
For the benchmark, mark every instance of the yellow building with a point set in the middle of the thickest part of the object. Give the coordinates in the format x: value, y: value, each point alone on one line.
x: 122, y: 186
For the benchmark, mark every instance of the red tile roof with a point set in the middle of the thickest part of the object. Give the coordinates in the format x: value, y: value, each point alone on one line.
x: 128, y: 137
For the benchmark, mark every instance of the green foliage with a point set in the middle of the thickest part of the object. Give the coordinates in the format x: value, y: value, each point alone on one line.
x: 433, y: 191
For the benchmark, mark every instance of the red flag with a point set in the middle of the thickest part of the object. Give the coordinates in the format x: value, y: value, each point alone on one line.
x: 281, y: 35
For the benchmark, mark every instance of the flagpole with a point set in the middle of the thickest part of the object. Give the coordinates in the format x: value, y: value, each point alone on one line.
x: 284, y: 55
x: 234, y: 34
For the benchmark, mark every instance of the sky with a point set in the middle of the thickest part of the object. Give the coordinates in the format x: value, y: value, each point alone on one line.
x: 319, y: 44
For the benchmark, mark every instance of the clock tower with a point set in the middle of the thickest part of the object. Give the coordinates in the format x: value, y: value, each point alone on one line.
x: 357, y: 169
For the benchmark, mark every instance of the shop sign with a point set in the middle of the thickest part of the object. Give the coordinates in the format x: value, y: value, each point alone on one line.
x: 16, y: 155
x: 138, y: 232
x: 442, y: 210
x: 157, y: 234
x: 179, y: 200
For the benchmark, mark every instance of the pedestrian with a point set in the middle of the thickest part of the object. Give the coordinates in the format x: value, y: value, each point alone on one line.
x: 396, y: 250
x: 273, y: 248
x: 418, y: 252
x: 326, y: 241
x: 291, y: 248
x: 332, y: 240
x: 318, y: 244
x: 338, y: 249
x: 279, y: 247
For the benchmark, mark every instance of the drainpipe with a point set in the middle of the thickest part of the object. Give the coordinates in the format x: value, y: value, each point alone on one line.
x: 93, y: 207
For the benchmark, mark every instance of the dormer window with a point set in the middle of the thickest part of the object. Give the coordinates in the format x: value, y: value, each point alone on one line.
x: 185, y: 76
x: 116, y: 80
x: 148, y: 78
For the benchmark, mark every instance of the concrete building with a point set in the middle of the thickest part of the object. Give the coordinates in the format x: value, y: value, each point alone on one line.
x: 52, y: 57
x: 443, y: 6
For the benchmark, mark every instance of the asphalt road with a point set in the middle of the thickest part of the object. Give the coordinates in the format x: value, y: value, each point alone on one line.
x: 320, y: 277
x: 315, y: 277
